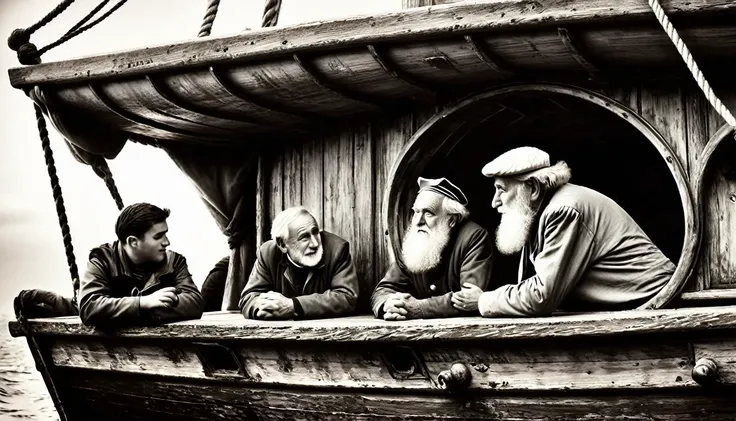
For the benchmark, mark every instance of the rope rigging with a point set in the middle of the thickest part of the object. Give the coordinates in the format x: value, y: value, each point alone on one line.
x: 691, y: 65
x: 271, y: 13
x: 19, y: 41
x: 58, y: 199
x: 209, y: 18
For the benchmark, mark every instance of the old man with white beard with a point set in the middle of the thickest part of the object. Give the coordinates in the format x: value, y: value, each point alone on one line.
x: 442, y: 251
x: 579, y: 249
x: 301, y: 273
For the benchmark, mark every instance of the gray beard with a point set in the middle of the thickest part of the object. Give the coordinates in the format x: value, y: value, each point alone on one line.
x: 306, y: 261
x: 422, y: 252
x: 515, y: 227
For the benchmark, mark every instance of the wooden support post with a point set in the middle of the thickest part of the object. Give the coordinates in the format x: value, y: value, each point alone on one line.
x: 43, y: 368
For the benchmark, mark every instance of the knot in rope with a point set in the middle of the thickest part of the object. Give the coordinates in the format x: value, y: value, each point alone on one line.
x: 271, y: 13
x: 28, y: 54
x: 18, y: 37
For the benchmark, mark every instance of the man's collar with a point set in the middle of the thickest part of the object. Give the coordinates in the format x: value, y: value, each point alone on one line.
x: 126, y: 265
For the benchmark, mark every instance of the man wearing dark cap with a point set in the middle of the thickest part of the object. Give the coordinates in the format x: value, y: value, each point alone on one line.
x: 579, y: 249
x: 442, y: 251
x: 136, y: 281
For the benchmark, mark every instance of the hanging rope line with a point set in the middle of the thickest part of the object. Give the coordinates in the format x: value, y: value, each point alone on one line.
x: 28, y: 53
x: 58, y: 199
x: 209, y: 18
x: 691, y: 65
x: 102, y: 170
x: 271, y: 13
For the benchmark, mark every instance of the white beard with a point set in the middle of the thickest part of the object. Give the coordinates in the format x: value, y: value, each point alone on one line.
x: 514, y: 230
x: 422, y: 251
x: 306, y: 261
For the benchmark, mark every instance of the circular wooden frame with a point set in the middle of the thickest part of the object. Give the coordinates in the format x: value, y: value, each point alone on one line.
x: 449, y: 126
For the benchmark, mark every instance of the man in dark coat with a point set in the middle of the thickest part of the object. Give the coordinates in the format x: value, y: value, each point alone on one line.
x: 579, y: 249
x: 136, y: 280
x: 442, y: 251
x: 301, y: 273
x: 213, y: 287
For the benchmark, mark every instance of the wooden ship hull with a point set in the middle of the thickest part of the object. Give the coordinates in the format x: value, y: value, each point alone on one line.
x: 341, y: 117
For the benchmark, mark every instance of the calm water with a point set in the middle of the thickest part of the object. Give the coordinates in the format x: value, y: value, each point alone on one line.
x: 23, y: 395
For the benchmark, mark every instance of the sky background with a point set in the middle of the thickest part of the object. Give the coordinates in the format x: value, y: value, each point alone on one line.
x: 31, y: 246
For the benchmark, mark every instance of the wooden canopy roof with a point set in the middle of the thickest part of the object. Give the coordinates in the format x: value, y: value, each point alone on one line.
x: 276, y: 81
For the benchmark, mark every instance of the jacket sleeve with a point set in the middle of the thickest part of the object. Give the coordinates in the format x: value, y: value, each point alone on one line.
x: 97, y: 307
x: 475, y: 269
x: 566, y: 252
x: 259, y: 282
x: 190, y: 303
x: 341, y: 297
x: 396, y: 280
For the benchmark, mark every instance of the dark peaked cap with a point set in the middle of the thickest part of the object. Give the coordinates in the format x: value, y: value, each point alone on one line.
x: 444, y: 187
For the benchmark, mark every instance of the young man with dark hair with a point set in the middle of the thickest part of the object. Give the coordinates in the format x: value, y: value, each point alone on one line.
x: 136, y: 281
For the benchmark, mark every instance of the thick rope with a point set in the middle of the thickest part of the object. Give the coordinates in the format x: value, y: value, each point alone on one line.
x: 271, y: 13
x: 28, y: 53
x: 209, y: 18
x: 22, y: 36
x: 58, y: 199
x: 691, y: 65
x: 102, y: 170
x: 71, y: 34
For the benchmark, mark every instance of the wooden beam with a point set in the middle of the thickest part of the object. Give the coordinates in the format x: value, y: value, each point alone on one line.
x: 143, y: 121
x: 232, y: 325
x: 394, y: 71
x: 400, y: 26
x: 577, y: 52
x: 165, y: 93
x: 267, y: 106
x: 325, y: 83
x: 486, y: 57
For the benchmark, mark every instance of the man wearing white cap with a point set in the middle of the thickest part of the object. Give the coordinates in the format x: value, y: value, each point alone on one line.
x: 579, y: 249
x: 441, y: 251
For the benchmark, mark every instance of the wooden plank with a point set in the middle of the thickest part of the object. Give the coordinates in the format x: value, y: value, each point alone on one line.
x: 460, y: 19
x: 721, y: 351
x: 709, y: 295
x: 696, y: 120
x: 389, y: 138
x: 339, y: 199
x: 171, y: 360
x: 719, y: 198
x: 231, y: 325
x: 365, y: 215
x: 233, y: 402
x: 292, y: 175
x: 276, y: 181
x: 663, y: 107
x: 407, y: 4
x: 533, y: 367
x: 313, y: 178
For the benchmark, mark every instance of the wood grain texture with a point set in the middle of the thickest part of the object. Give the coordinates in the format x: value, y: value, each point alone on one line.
x: 404, y: 25
x: 313, y: 177
x: 224, y: 325
x: 292, y: 175
x: 364, y: 214
x: 722, y: 352
x: 153, y: 400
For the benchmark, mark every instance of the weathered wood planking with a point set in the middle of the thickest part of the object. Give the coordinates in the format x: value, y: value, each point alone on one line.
x: 550, y: 367
x: 389, y: 139
x: 404, y: 25
x: 721, y: 351
x: 719, y: 204
x: 164, y: 360
x: 313, y: 178
x: 664, y: 109
x: 293, y: 181
x: 232, y: 325
x: 159, y: 399
x: 539, y: 367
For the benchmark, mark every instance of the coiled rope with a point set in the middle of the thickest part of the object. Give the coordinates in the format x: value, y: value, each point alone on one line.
x: 691, y: 65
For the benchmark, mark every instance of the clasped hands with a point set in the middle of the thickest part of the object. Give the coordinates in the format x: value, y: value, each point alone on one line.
x: 467, y: 298
x: 401, y: 306
x: 272, y: 305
